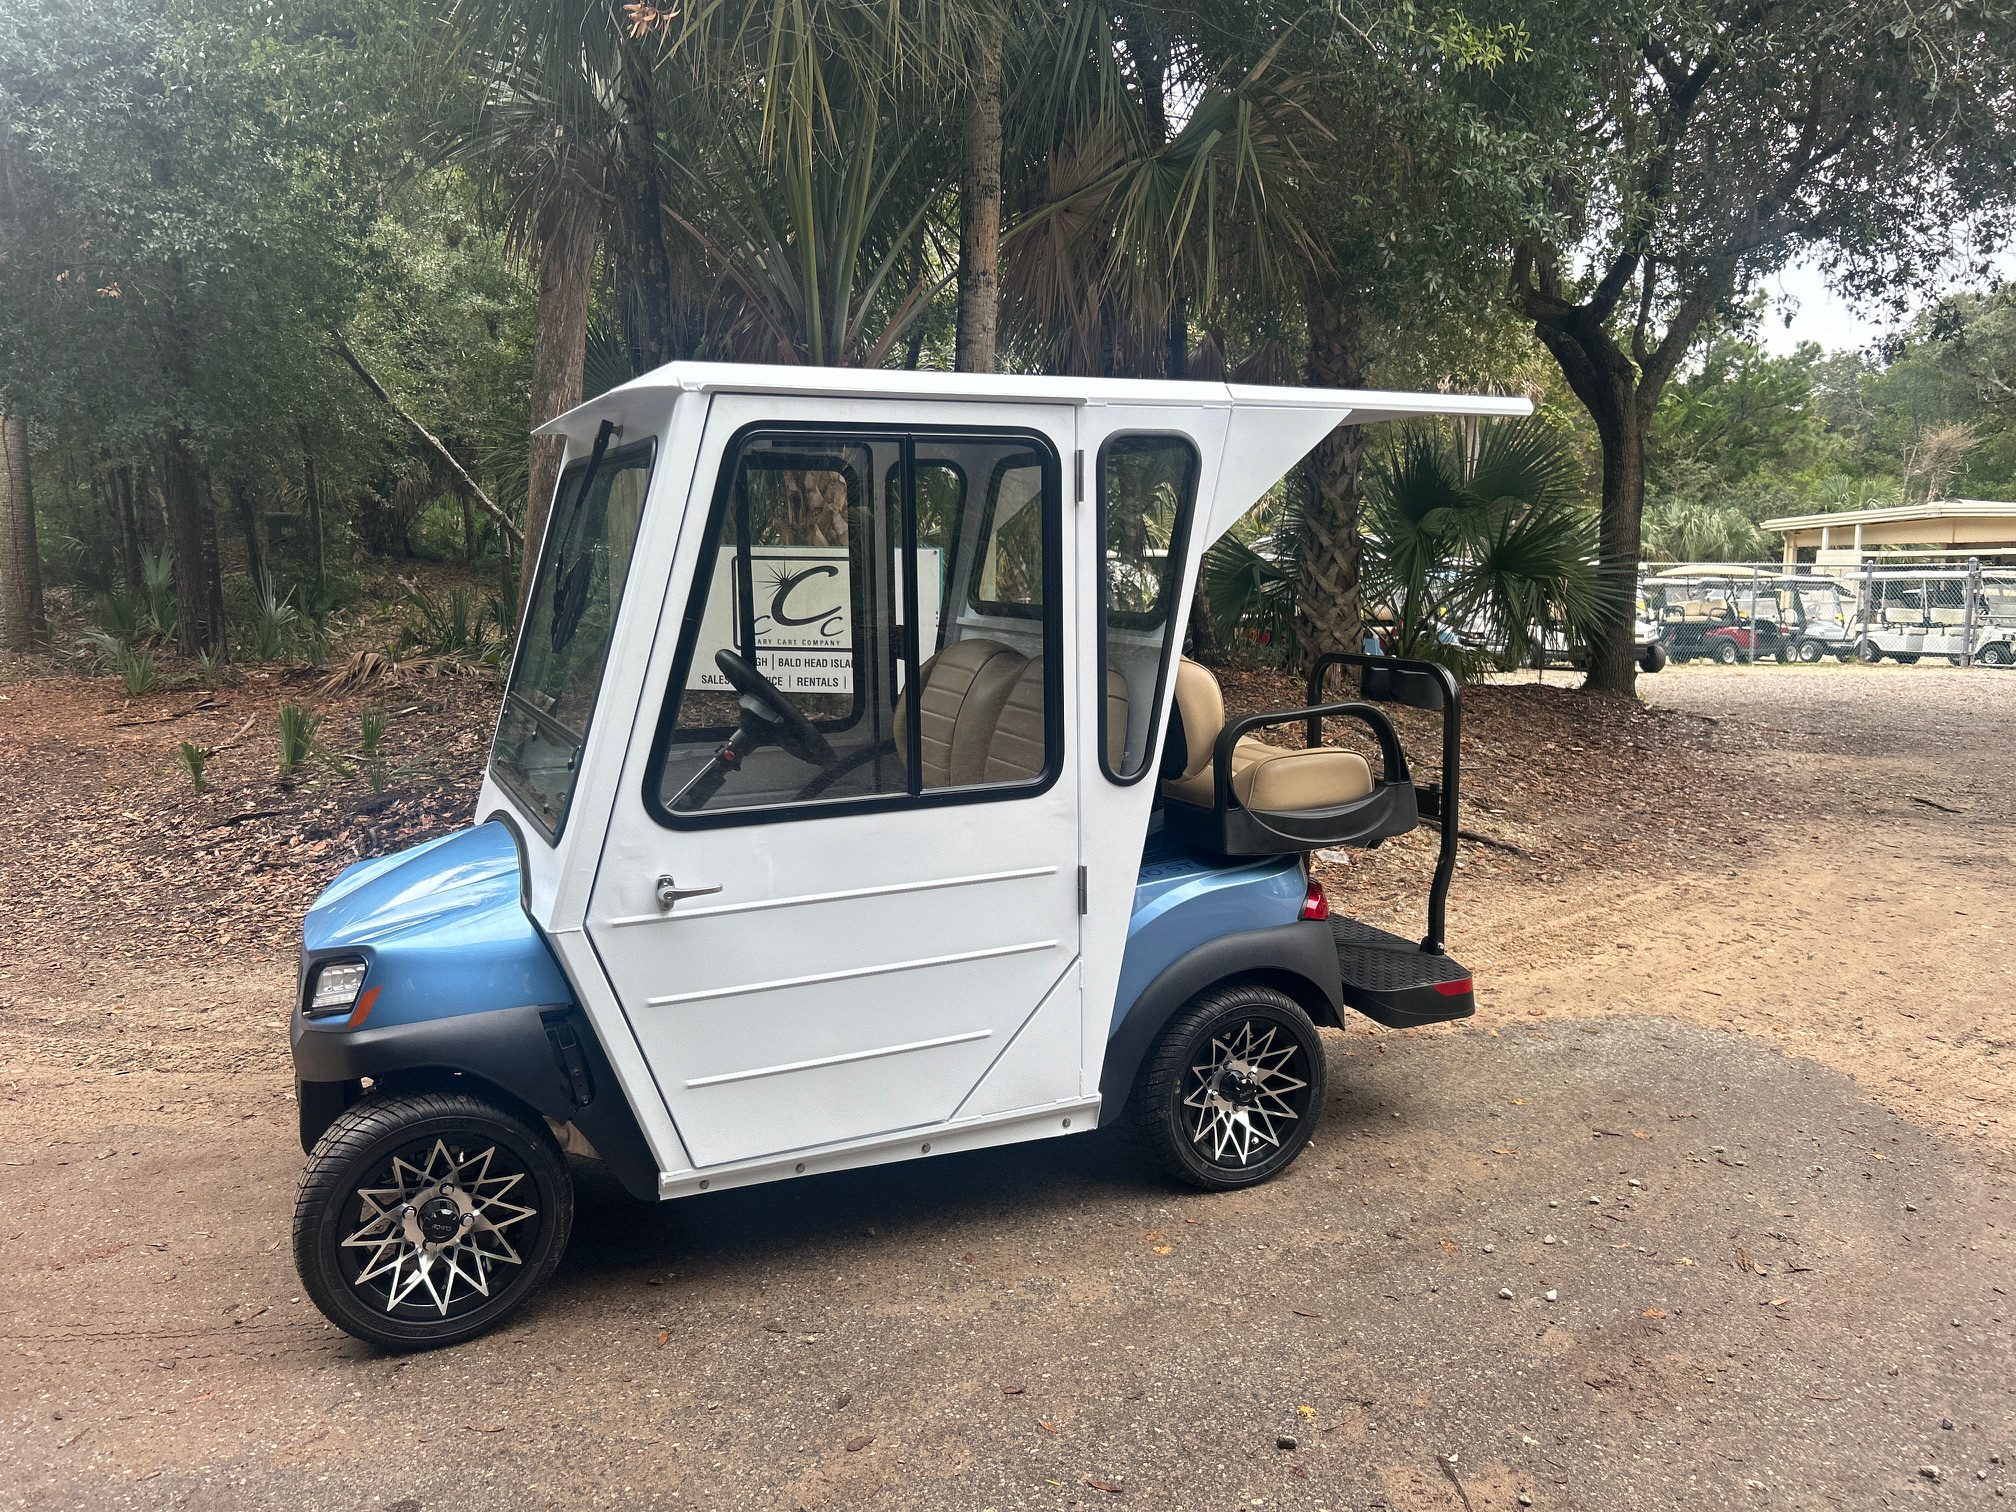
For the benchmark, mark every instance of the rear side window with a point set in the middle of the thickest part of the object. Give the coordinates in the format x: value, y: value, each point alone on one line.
x: 1147, y: 484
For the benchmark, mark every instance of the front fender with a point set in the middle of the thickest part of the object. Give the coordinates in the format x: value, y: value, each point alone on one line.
x: 545, y: 1058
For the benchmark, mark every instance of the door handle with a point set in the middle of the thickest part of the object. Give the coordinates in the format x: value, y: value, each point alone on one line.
x: 670, y: 892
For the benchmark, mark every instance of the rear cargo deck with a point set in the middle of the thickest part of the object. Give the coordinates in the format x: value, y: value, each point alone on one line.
x: 1393, y: 981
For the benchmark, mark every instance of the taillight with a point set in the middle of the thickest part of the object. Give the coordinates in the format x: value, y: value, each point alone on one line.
x: 1314, y: 904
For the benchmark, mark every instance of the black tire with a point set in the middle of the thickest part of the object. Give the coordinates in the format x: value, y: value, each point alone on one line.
x: 1869, y: 653
x: 1808, y: 652
x: 1782, y: 655
x: 1169, y: 1124
x: 1726, y: 653
x: 359, y: 1150
x: 1845, y: 655
x: 1997, y: 654
x: 1652, y: 658
x: 1908, y: 658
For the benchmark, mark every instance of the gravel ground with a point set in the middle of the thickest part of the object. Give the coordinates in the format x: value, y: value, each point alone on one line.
x: 1776, y: 1056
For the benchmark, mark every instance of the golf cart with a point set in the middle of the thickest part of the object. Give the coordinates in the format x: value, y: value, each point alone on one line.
x: 1911, y: 614
x: 852, y: 802
x: 1827, y: 624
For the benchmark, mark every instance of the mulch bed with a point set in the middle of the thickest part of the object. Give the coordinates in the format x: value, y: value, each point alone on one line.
x: 110, y: 853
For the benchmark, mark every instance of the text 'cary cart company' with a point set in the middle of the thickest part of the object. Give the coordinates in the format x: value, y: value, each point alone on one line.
x: 853, y: 802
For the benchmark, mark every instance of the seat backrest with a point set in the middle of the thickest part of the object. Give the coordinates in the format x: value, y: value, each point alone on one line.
x: 1200, y: 715
x: 1015, y: 750
x: 961, y: 694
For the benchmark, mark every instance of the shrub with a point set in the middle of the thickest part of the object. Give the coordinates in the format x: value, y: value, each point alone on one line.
x: 270, y: 627
x: 371, y: 746
x: 298, y: 731
x: 194, y: 758
x: 135, y: 666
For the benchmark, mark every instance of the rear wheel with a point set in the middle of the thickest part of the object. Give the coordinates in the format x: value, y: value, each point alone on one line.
x: 1726, y: 653
x: 1908, y: 658
x: 1232, y: 1091
x: 1808, y: 652
x: 426, y: 1219
x: 1997, y: 655
x: 1869, y: 652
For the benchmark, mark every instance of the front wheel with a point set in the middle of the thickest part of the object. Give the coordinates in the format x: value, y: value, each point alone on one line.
x: 1869, y: 652
x: 1809, y: 652
x: 425, y: 1219
x: 1995, y: 655
x: 1726, y: 653
x: 1232, y: 1091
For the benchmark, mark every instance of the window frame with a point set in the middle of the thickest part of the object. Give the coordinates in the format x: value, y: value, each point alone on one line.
x: 1050, y: 612
x: 992, y: 504
x: 1179, y: 556
x: 524, y: 805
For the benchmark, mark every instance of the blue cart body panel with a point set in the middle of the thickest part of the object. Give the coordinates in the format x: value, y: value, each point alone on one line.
x: 441, y: 928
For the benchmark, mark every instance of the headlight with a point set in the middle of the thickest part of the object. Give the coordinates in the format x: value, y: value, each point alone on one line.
x: 334, y: 985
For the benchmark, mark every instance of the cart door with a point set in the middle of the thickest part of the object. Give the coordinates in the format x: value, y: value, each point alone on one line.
x: 859, y: 915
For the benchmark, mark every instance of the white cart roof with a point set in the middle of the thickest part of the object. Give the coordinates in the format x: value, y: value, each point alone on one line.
x: 1268, y: 430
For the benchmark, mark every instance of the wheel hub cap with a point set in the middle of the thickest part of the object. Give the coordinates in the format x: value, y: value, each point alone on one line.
x: 1242, y: 1096
x: 437, y: 1229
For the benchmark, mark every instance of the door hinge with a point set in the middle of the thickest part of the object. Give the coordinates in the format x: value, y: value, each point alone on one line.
x: 1078, y: 474
x: 1081, y: 890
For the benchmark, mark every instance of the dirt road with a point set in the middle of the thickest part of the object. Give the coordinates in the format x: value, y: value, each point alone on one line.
x: 1733, y: 1131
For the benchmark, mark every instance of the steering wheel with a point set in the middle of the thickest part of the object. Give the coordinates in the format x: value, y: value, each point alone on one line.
x: 792, y: 730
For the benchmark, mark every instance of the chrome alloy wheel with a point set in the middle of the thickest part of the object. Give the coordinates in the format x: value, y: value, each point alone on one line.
x: 1246, y: 1093
x: 437, y: 1227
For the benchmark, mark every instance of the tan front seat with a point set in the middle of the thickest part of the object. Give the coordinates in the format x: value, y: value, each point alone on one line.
x: 961, y: 693
x: 1015, y: 752
x: 1264, y: 777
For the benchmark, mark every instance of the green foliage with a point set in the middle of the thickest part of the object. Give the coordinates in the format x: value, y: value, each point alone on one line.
x: 136, y: 666
x: 194, y: 759
x: 271, y: 625
x: 446, y: 628
x: 371, y: 750
x: 1480, y: 535
x: 299, y: 736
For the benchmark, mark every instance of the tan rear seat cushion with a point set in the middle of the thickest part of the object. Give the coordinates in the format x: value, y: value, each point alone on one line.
x: 1281, y: 781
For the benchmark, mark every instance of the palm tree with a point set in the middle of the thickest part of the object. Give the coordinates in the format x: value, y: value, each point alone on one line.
x: 1481, y: 533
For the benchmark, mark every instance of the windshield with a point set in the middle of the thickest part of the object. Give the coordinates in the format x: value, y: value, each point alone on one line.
x: 564, y: 639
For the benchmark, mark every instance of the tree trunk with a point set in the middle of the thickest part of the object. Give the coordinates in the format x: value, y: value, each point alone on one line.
x: 125, y: 507
x: 980, y: 208
x: 1606, y: 380
x: 248, y: 526
x: 567, y: 236
x: 23, y: 622
x: 192, y: 539
x: 639, y: 261
x: 1613, y: 653
x: 311, y: 494
x: 1329, y: 615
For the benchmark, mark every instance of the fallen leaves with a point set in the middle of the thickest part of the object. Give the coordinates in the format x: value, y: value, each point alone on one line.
x: 1111, y: 1488
x: 1654, y: 1313
x: 856, y: 1445
x: 1047, y: 1426
x: 664, y: 1337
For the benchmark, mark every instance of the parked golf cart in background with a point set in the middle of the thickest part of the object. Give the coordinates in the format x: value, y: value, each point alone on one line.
x: 1828, y: 625
x: 1965, y: 615
x: 852, y: 803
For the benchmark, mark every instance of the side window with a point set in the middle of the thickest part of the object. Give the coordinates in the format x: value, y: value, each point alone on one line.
x: 1008, y: 577
x: 1147, y: 484
x: 825, y: 658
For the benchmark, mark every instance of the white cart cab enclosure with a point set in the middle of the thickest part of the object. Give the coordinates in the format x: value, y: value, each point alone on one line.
x: 896, y: 924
